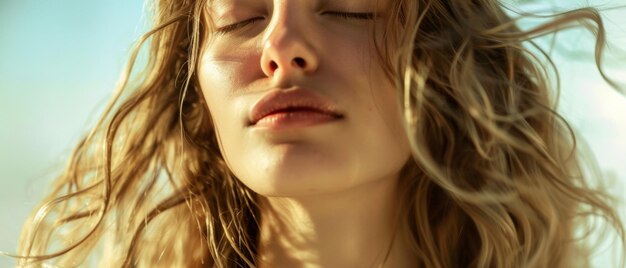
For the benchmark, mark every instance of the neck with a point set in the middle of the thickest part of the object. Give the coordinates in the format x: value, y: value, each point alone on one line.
x: 353, y: 228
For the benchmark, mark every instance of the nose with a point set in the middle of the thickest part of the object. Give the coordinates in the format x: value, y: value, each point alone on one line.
x: 287, y: 50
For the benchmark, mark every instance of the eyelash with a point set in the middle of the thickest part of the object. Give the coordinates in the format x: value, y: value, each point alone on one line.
x: 344, y: 15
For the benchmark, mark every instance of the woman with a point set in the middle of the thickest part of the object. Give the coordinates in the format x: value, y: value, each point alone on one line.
x: 326, y: 134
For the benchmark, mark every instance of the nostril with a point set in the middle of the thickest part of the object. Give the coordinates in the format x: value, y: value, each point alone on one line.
x: 300, y: 62
x: 273, y: 65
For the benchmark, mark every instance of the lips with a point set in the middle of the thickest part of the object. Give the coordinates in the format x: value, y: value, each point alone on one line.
x: 291, y: 100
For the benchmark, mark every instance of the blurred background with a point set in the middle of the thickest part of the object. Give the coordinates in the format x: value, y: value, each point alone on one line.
x: 60, y: 60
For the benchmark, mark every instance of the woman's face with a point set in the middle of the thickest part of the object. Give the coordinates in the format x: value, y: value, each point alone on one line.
x: 307, y: 46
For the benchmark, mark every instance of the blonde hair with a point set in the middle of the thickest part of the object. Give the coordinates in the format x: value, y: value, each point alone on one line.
x: 495, y: 179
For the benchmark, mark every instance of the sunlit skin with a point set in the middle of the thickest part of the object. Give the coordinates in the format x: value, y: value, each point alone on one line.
x: 328, y: 191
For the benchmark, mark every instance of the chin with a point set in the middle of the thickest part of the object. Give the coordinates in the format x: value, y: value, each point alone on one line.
x: 294, y: 183
x: 294, y: 172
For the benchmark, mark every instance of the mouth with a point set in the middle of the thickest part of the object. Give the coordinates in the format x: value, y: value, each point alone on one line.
x: 296, y: 117
x: 293, y: 108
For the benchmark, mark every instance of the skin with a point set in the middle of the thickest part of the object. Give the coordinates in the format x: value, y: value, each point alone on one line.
x: 327, y: 192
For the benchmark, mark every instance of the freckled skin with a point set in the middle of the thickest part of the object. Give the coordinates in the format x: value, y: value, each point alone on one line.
x: 340, y: 64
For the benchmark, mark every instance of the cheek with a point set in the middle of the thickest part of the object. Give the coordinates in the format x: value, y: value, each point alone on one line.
x: 372, y: 91
x: 382, y: 116
x: 390, y: 107
x: 231, y: 70
x: 224, y: 78
x: 220, y: 81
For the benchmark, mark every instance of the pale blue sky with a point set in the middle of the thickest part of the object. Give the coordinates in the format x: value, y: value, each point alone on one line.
x: 59, y: 61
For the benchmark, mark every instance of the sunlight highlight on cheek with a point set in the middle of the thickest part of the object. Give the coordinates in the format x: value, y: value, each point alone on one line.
x: 223, y: 50
x: 232, y: 73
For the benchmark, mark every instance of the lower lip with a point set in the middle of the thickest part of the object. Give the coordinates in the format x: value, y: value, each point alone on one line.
x: 294, y: 119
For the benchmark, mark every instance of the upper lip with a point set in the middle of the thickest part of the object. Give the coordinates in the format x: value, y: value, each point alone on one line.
x: 291, y: 99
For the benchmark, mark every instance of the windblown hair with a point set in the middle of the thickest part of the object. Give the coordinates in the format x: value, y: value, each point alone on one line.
x: 495, y: 178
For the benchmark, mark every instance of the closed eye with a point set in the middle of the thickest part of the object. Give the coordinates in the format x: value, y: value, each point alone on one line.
x: 351, y: 15
x: 235, y: 26
x: 344, y: 15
